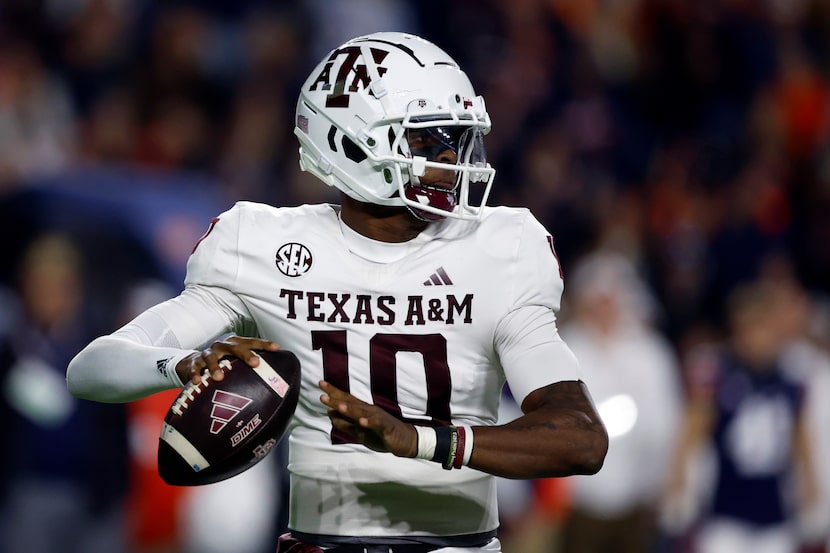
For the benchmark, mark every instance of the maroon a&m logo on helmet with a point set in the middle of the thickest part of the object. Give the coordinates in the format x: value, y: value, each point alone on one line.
x: 350, y: 76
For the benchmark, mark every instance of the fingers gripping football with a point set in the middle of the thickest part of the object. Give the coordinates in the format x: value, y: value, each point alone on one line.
x: 193, y: 366
x: 368, y: 424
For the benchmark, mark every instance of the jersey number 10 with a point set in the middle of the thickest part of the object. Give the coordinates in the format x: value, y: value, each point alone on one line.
x: 383, y: 371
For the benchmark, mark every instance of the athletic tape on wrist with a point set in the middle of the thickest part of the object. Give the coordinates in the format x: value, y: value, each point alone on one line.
x: 426, y: 442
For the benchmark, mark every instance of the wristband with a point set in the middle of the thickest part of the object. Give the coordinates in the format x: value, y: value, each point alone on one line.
x: 446, y: 441
x: 449, y: 445
x: 467, y: 451
x: 458, y: 455
x: 426, y: 442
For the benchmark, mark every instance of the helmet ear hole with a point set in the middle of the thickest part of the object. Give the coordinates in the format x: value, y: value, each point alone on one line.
x: 352, y: 151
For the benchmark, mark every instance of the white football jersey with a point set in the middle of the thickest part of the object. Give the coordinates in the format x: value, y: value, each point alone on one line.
x: 430, y: 330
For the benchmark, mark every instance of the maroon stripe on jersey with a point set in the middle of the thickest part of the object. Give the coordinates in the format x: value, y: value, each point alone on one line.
x: 205, y: 235
x: 435, y: 279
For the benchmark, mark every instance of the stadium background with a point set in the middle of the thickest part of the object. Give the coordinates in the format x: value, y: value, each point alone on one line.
x: 691, y: 137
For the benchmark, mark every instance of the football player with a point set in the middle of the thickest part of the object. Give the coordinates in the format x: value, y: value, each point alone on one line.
x: 409, y: 305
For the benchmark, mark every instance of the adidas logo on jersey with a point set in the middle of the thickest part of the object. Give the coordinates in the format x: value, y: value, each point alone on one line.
x: 438, y: 278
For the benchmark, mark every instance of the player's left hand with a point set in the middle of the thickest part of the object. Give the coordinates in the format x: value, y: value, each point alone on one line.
x: 368, y: 424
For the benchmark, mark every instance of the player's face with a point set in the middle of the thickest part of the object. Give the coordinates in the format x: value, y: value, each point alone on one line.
x: 439, y: 144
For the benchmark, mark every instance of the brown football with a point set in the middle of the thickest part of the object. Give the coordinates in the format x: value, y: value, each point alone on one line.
x: 217, y: 429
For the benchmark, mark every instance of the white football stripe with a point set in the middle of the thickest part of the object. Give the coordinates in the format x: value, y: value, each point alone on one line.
x: 184, y: 448
x: 271, y: 377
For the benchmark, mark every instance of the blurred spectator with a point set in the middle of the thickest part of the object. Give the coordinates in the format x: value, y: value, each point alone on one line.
x: 692, y: 136
x: 336, y: 22
x: 259, y: 141
x: 752, y: 412
x: 97, y: 42
x: 806, y: 358
x: 633, y: 375
x: 65, y: 461
x: 681, y: 216
x: 109, y: 134
x: 37, y: 122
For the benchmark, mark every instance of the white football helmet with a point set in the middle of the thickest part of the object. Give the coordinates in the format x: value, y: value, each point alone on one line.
x: 361, y: 108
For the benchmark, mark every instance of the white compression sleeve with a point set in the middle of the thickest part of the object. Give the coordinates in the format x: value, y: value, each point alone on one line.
x: 140, y: 358
x: 114, y: 370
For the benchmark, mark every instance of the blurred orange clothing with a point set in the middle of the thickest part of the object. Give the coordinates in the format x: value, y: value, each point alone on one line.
x: 152, y: 505
x: 552, y: 497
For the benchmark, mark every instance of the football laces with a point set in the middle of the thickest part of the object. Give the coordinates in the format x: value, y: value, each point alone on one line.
x: 186, y: 397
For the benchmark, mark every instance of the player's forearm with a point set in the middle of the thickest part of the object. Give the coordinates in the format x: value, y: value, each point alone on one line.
x: 561, y: 435
x: 562, y: 446
x: 115, y: 370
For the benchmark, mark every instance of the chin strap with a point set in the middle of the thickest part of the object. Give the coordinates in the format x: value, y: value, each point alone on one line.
x: 438, y: 198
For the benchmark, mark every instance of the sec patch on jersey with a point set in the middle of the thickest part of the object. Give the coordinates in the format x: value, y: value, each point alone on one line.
x: 217, y: 429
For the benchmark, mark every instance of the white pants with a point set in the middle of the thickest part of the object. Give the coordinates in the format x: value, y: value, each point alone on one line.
x: 726, y: 536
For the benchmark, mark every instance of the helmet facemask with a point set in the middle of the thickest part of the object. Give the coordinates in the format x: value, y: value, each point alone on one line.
x: 437, y: 160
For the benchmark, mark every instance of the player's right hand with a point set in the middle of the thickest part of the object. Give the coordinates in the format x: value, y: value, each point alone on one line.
x: 193, y: 366
x: 369, y: 424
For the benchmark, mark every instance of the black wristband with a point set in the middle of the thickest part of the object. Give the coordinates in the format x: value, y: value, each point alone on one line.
x: 446, y: 446
x: 443, y: 441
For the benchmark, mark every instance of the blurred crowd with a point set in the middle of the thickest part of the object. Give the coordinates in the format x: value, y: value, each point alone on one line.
x: 678, y: 151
